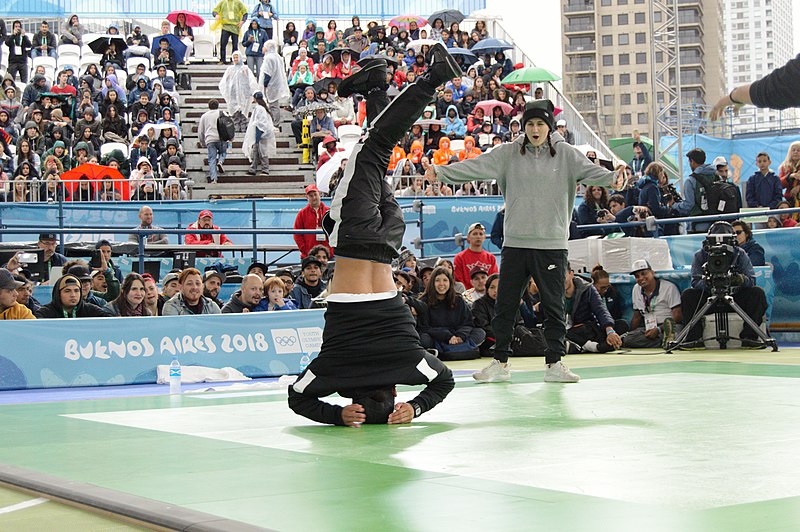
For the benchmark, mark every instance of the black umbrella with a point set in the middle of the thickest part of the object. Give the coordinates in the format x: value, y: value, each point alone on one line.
x: 336, y: 53
x: 322, y: 85
x: 101, y: 44
x: 448, y: 16
x: 302, y: 86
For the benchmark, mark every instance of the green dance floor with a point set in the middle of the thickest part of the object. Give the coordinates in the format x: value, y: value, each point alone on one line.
x: 641, y: 443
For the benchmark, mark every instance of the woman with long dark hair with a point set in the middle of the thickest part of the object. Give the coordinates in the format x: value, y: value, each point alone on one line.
x: 448, y: 325
x: 130, y: 301
x: 115, y: 129
x: 290, y: 34
x: 593, y: 209
x: 483, y: 312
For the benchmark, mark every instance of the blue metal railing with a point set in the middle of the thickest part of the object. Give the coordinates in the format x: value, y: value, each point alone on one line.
x: 380, y: 9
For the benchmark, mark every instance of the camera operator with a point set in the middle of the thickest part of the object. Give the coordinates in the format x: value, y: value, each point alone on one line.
x: 721, y: 265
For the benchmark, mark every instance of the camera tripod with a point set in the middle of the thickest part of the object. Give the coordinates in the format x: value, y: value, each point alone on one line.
x: 721, y: 323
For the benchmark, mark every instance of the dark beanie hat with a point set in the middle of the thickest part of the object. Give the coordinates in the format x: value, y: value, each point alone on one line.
x: 540, y: 109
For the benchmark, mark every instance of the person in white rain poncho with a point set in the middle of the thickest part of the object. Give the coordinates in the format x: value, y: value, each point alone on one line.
x: 259, y: 141
x: 272, y: 77
x: 237, y: 86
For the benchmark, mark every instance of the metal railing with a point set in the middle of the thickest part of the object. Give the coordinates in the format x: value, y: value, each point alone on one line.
x: 39, y: 190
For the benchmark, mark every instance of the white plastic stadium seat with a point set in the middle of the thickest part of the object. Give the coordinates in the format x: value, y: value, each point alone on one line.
x: 45, y: 60
x: 108, y: 147
x: 133, y: 62
x: 73, y: 49
x: 91, y: 57
x: 287, y: 56
x: 68, y: 59
x: 203, y: 48
x: 348, y: 130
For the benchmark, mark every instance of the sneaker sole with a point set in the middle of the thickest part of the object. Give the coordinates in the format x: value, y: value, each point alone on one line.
x: 562, y: 380
x: 494, y: 379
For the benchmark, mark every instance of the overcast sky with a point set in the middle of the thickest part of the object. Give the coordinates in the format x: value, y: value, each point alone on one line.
x: 536, y: 26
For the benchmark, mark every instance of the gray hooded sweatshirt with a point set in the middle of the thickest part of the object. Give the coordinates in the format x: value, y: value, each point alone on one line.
x: 539, y: 189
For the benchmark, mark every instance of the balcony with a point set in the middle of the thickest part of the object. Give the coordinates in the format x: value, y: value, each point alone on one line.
x: 579, y: 7
x: 580, y: 48
x: 587, y: 66
x: 583, y: 86
x: 579, y: 28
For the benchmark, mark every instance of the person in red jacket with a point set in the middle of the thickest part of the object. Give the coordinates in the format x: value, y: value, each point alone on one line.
x: 473, y: 256
x: 330, y: 150
x: 310, y: 217
x: 205, y: 220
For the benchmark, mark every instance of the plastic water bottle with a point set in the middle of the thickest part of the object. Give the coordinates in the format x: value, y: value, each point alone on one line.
x: 305, y: 360
x: 175, y: 376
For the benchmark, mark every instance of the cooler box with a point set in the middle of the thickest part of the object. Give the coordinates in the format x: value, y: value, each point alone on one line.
x: 584, y: 254
x: 617, y: 254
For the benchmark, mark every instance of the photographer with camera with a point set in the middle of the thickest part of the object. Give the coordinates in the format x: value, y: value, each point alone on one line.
x: 722, y: 267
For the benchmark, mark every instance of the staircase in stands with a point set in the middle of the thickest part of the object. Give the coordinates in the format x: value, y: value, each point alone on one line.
x: 288, y: 175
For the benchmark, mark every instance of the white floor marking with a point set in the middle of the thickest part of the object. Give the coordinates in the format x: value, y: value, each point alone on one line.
x: 23, y: 505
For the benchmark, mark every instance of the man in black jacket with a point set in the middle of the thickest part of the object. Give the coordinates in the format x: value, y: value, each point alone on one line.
x: 370, y: 343
x: 19, y: 47
x: 44, y: 42
x: 68, y: 303
x: 590, y: 327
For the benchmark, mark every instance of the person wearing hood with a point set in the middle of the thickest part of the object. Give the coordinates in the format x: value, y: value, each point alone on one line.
x: 141, y: 85
x: 81, y: 151
x: 10, y: 308
x: 272, y: 77
x: 231, y: 15
x: 539, y: 172
x: 444, y: 154
x: 143, y: 103
x: 166, y: 83
x: 650, y: 196
x: 259, y: 139
x: 34, y: 90
x: 247, y: 298
x: 68, y: 303
x: 72, y: 31
x: 110, y: 83
x: 59, y: 152
x: 310, y: 29
x: 164, y: 161
x: 592, y: 329
x: 470, y: 151
x: 454, y: 127
x: 173, y: 191
x: 143, y: 172
x: 237, y: 87
x: 19, y: 46
x: 514, y: 131
x: 10, y: 104
x: 692, y: 202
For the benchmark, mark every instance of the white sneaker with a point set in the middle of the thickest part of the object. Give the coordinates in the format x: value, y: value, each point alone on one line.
x: 494, y: 372
x: 558, y: 372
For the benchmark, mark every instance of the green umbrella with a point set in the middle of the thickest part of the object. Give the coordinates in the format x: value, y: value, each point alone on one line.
x: 529, y: 75
x: 623, y: 148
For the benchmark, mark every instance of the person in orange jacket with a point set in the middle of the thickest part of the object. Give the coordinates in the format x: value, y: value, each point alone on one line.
x: 469, y: 151
x: 443, y: 155
x: 398, y: 154
x: 416, y: 152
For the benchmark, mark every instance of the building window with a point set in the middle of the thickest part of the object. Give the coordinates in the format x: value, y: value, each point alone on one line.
x: 659, y: 57
x: 607, y: 40
x: 638, y: 18
x: 624, y: 59
x: 605, y: 2
x: 660, y: 97
x: 606, y: 20
x: 641, y: 38
x: 608, y: 100
x: 624, y: 99
x: 657, y: 16
x: 622, y: 2
x: 608, y: 80
x: 608, y: 60
x: 623, y: 39
x: 622, y: 19
x: 641, y: 98
x: 624, y: 79
x: 641, y: 78
x: 625, y: 119
x: 641, y: 118
x: 641, y: 58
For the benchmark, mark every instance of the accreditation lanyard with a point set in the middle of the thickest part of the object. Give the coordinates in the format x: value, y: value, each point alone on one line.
x: 649, y: 307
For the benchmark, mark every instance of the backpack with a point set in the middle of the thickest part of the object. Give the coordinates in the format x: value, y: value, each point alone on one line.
x: 225, y: 127
x: 714, y: 196
x: 528, y: 342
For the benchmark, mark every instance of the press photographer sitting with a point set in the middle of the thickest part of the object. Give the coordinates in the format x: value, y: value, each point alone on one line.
x: 707, y: 275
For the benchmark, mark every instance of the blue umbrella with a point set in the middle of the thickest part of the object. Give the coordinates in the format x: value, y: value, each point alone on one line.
x: 174, y: 42
x: 491, y: 46
x: 467, y: 57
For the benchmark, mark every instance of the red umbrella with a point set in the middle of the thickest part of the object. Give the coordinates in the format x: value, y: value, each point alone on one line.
x: 489, y: 105
x: 193, y: 20
x: 96, y: 172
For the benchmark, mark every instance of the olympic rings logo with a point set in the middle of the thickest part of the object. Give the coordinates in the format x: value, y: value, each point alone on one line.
x: 285, y: 341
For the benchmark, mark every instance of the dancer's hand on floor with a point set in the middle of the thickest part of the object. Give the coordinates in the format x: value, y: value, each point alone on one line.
x: 353, y: 415
x: 403, y: 413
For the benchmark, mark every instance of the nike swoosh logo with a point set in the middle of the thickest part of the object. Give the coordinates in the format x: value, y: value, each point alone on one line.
x: 551, y: 267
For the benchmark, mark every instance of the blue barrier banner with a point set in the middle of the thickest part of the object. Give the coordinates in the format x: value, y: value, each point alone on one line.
x: 740, y: 152
x: 100, y: 352
x: 780, y: 250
